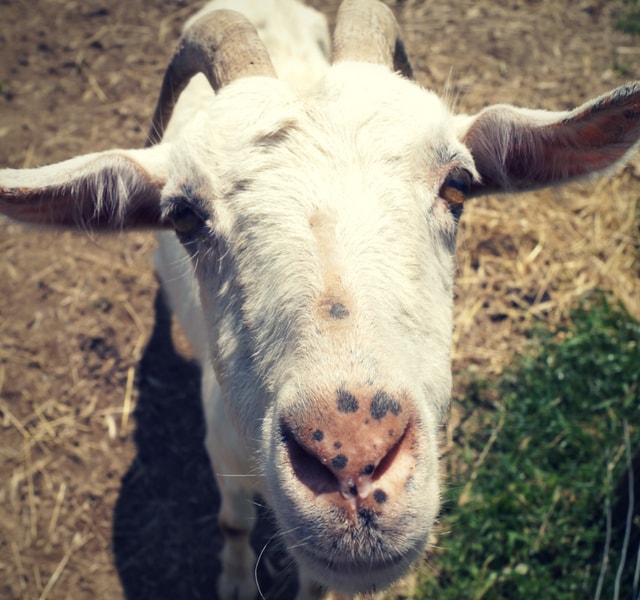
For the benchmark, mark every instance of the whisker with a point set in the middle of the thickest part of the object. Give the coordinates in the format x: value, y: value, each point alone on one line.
x: 255, y: 569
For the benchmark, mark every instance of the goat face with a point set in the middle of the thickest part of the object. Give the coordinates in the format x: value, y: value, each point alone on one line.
x: 323, y: 247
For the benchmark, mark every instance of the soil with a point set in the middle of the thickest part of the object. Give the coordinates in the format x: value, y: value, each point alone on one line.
x: 105, y: 489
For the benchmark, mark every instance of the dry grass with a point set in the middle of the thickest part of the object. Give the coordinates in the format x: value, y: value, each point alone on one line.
x: 76, y: 312
x: 532, y: 257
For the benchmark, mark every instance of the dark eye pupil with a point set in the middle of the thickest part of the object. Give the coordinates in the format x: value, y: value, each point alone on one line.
x: 455, y: 190
x: 461, y: 184
x: 460, y: 179
x: 185, y: 220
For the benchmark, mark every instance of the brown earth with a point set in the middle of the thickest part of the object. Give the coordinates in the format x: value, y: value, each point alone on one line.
x: 104, y: 484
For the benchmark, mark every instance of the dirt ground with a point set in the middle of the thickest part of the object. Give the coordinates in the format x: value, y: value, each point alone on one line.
x: 105, y: 490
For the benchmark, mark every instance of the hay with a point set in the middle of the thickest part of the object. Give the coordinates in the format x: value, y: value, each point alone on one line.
x: 529, y: 259
x: 76, y: 312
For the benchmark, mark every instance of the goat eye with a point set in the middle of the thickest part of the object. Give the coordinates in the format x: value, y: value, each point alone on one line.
x: 185, y: 220
x: 456, y: 188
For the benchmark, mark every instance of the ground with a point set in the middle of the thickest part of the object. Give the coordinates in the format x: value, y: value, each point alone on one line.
x: 105, y: 490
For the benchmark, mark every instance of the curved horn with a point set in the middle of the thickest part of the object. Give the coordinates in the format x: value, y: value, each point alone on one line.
x: 224, y: 46
x: 367, y: 31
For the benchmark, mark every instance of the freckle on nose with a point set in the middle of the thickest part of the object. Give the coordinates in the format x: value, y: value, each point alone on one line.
x: 347, y: 402
x: 380, y: 496
x: 338, y: 311
x: 381, y: 404
x: 340, y: 462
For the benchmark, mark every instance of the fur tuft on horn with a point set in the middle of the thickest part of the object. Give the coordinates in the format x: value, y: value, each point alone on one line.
x: 224, y: 46
x: 367, y: 31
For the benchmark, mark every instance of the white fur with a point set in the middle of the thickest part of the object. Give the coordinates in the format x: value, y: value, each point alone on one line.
x: 401, y: 335
x: 387, y: 146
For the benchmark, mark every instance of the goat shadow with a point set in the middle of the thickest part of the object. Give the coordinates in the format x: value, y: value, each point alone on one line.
x: 166, y: 538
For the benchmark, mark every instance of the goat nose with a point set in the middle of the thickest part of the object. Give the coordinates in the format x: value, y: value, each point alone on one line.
x: 349, y: 444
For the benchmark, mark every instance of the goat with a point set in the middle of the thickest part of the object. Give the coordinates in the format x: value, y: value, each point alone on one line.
x: 318, y: 216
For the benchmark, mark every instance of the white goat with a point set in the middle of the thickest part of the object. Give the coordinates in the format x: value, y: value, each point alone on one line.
x: 320, y: 221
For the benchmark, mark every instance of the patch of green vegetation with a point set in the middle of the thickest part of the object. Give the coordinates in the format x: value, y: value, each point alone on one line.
x: 629, y: 21
x: 534, y: 493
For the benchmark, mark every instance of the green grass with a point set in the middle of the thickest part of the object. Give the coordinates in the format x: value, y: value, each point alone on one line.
x: 629, y: 20
x: 526, y: 510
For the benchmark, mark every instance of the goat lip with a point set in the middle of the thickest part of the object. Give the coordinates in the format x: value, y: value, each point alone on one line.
x: 361, y: 577
x: 360, y: 568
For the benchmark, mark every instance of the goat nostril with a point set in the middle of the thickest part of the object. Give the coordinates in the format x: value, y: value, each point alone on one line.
x: 308, y: 468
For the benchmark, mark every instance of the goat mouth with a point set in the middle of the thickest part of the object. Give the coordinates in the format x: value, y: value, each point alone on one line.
x: 359, y: 576
x: 356, y: 565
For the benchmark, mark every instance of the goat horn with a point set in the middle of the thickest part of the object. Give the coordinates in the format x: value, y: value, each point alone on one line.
x: 367, y: 31
x: 224, y: 46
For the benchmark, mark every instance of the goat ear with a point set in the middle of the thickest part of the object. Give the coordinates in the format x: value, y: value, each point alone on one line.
x: 518, y: 149
x: 113, y: 190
